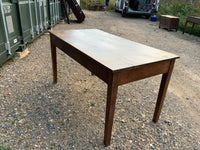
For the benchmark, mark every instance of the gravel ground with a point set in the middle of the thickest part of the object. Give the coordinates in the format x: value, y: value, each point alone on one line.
x: 36, y: 114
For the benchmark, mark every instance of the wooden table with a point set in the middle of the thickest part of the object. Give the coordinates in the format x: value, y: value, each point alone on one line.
x: 116, y: 61
x: 193, y: 20
x: 169, y: 22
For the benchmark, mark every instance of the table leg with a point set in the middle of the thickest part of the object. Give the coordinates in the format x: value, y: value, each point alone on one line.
x: 162, y: 92
x: 110, y: 109
x: 192, y: 28
x: 54, y: 62
x: 185, y: 27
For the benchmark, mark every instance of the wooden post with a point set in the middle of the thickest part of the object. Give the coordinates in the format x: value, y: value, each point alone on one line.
x: 192, y: 28
x: 185, y: 27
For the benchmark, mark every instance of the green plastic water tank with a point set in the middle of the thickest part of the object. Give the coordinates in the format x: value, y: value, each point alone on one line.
x: 10, y: 36
x: 52, y: 17
x: 28, y: 19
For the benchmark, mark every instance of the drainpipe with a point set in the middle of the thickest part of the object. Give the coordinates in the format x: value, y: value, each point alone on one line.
x: 30, y: 13
x: 37, y: 27
x: 7, y: 44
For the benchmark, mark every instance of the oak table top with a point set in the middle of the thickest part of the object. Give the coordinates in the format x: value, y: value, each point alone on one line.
x: 116, y: 61
x: 113, y: 52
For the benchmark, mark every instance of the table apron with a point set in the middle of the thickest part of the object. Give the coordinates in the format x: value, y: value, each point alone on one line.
x: 143, y: 71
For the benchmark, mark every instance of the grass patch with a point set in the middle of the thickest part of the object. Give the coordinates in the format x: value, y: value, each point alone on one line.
x: 4, y: 148
x: 84, y: 4
x: 53, y: 144
x: 181, y: 9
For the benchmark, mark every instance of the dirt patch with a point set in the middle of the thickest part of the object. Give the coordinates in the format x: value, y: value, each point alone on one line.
x: 36, y: 114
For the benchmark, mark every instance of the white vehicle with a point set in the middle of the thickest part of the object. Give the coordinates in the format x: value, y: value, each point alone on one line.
x: 140, y: 7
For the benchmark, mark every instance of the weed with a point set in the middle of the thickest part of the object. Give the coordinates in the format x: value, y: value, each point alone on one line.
x: 48, y: 124
x: 57, y: 112
x: 70, y: 104
x: 85, y: 90
x: 70, y: 143
x: 20, y: 141
x: 92, y: 104
x: 14, y: 121
x: 14, y: 58
x: 53, y: 144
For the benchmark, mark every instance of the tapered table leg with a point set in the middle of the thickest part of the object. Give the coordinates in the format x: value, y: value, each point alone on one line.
x: 54, y: 62
x: 192, y: 28
x: 185, y: 27
x: 162, y: 92
x: 110, y: 109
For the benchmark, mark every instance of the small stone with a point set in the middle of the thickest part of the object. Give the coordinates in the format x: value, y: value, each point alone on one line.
x: 10, y: 118
x: 38, y: 146
x: 168, y: 122
x: 151, y: 145
x: 123, y: 121
x: 21, y: 121
x: 143, y: 115
x: 148, y: 129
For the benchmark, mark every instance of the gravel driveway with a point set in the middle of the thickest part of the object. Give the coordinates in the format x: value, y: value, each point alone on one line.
x: 36, y: 114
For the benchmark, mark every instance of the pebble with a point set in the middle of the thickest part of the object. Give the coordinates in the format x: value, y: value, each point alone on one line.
x: 148, y: 129
x: 10, y: 118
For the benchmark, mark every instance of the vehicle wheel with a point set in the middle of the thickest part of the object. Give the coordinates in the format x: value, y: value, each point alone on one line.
x: 124, y: 13
x: 115, y: 8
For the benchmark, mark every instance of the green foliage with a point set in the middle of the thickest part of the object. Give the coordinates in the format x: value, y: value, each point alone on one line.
x: 3, y: 148
x: 181, y: 9
x: 84, y: 4
x: 14, y: 121
x: 53, y: 144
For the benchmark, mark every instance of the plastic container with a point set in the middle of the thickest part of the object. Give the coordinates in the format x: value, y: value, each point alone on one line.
x: 10, y: 37
x: 153, y: 18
